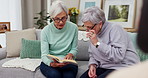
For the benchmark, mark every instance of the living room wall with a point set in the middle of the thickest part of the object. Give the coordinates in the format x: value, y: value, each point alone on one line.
x: 76, y: 3
x: 20, y: 13
x: 29, y: 10
x: 10, y: 11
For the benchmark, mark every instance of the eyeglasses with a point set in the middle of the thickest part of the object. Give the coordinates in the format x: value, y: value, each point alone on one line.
x: 57, y: 20
x: 89, y: 27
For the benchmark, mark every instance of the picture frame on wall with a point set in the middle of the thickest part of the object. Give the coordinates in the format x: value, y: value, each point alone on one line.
x: 121, y: 12
x: 83, y: 4
x: 4, y: 26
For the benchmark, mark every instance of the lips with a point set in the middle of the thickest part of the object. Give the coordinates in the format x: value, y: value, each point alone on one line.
x: 61, y: 25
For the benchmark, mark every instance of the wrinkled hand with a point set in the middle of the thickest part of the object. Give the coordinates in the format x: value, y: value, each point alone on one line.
x: 69, y: 56
x: 56, y: 64
x: 92, y: 36
x: 92, y: 71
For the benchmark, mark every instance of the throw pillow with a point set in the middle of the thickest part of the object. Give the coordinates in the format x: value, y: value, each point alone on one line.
x: 30, y: 49
x: 13, y: 41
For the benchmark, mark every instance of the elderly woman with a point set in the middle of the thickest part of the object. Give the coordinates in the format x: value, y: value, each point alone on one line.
x: 139, y: 70
x: 110, y: 48
x: 59, y: 39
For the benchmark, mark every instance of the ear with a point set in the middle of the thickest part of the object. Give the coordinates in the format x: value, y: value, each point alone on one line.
x: 100, y: 24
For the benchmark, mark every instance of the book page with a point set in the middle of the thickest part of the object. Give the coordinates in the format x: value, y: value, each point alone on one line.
x: 53, y: 57
x: 69, y: 61
x: 61, y: 60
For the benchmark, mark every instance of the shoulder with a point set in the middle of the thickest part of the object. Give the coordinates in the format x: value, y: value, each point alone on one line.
x: 72, y: 25
x: 47, y: 28
x: 116, y: 27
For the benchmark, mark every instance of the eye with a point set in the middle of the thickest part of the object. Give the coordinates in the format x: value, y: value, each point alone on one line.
x: 63, y: 17
x: 56, y: 19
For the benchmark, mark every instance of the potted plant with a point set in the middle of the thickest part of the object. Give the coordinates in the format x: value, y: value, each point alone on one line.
x: 73, y: 13
x: 42, y: 20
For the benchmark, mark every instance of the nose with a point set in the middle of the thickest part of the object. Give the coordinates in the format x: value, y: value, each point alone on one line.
x: 60, y: 22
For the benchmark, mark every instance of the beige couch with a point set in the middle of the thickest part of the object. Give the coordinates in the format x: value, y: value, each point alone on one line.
x: 82, y: 58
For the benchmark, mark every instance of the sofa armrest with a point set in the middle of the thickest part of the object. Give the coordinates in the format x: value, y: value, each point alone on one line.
x: 3, y: 53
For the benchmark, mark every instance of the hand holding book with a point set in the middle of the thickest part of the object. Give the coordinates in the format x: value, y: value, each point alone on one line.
x: 69, y: 56
x: 64, y: 61
x: 55, y: 64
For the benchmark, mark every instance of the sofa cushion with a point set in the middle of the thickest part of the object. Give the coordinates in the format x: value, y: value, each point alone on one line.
x: 2, y: 53
x: 38, y: 34
x: 39, y: 74
x: 82, y: 67
x: 30, y: 49
x: 82, y: 50
x: 13, y: 41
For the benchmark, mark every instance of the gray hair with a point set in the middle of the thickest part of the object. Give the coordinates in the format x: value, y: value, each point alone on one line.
x: 93, y: 14
x: 56, y: 8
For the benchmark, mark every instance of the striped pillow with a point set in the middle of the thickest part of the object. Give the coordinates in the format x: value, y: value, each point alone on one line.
x: 30, y: 49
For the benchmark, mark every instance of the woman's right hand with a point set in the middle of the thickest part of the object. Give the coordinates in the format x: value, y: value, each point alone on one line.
x: 56, y: 64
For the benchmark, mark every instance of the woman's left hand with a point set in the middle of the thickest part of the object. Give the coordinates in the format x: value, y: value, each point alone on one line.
x: 92, y: 36
x: 92, y: 71
x: 69, y: 56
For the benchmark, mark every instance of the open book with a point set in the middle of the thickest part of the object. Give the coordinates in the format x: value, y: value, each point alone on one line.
x: 61, y: 60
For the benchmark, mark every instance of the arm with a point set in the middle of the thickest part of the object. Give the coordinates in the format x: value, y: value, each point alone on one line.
x: 74, y: 43
x: 92, y: 60
x: 44, y: 48
x: 115, y: 50
x: 92, y: 65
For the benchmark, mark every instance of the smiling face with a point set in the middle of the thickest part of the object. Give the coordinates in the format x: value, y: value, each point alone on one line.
x: 60, y: 20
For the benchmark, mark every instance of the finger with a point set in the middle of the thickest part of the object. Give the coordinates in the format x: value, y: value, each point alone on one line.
x: 89, y: 74
x: 65, y: 57
x: 70, y: 58
x: 88, y: 35
x: 92, y: 73
x: 92, y: 31
x: 54, y: 64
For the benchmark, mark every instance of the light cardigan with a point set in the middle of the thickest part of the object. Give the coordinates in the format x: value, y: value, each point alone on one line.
x: 58, y: 42
x: 115, y: 50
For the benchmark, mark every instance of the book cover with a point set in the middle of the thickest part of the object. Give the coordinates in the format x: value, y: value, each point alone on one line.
x: 61, y: 60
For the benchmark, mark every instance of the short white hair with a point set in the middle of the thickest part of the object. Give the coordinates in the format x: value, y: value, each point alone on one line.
x: 56, y: 8
x: 94, y: 15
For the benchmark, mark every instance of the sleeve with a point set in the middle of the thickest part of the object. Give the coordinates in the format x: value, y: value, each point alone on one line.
x: 44, y: 48
x: 91, y: 58
x: 115, y: 50
x: 74, y: 44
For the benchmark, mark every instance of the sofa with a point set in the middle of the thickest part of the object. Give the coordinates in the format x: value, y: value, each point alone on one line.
x: 82, y: 59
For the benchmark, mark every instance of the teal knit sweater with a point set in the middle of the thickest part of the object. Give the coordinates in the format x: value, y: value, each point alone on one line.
x: 58, y: 42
